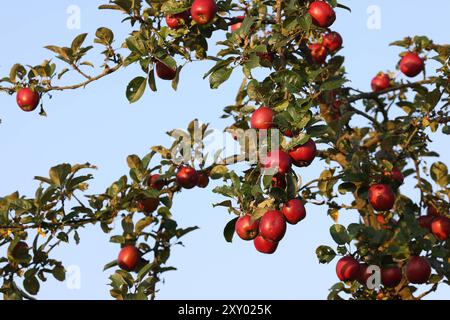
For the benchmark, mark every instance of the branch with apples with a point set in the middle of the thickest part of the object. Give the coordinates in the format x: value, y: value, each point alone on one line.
x: 370, y: 142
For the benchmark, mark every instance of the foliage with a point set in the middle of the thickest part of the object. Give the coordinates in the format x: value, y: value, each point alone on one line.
x: 274, y: 38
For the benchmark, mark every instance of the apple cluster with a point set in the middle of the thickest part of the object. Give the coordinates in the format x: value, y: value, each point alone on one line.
x: 417, y: 271
x: 411, y: 64
x: 270, y: 229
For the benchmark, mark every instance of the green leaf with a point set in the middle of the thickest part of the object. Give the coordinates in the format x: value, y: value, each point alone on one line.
x: 346, y: 187
x: 228, y: 231
x: 59, y: 273
x: 325, y: 254
x: 78, y: 41
x: 104, y: 36
x: 144, y: 271
x: 110, y: 265
x: 219, y: 76
x: 332, y: 84
x: 31, y: 284
x: 339, y: 234
x: 58, y: 174
x: 439, y: 173
x: 142, y: 224
x: 218, y: 172
x: 136, y: 89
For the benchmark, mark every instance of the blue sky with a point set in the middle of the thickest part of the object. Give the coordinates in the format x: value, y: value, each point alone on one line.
x: 98, y: 125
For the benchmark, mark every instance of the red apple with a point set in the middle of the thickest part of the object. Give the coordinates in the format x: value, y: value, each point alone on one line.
x: 294, y: 211
x: 165, y: 72
x: 303, y: 156
x: 247, y: 228
x: 203, y: 180
x: 381, y: 197
x: 348, y: 269
x: 425, y: 222
x: 418, y: 270
x: 391, y: 277
x: 395, y: 175
x: 332, y: 41
x: 262, y: 118
x: 27, y: 99
x: 440, y: 227
x: 155, y: 182
x: 364, y: 274
x: 148, y: 205
x: 187, y: 177
x: 264, y: 245
x: 432, y: 211
x: 411, y: 64
x: 175, y: 21
x: 322, y: 14
x: 279, y: 181
x: 381, y: 82
x: 203, y: 11
x: 318, y: 52
x: 129, y: 257
x: 277, y: 160
x: 237, y: 25
x: 272, y: 226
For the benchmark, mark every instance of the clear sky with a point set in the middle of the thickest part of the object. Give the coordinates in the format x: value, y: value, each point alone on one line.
x: 98, y: 125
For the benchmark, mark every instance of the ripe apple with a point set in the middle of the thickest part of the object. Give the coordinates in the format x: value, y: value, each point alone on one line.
x: 411, y: 64
x: 395, y: 175
x: 264, y: 245
x: 272, y: 226
x: 381, y: 197
x: 129, y: 257
x: 332, y: 41
x: 247, y: 228
x: 318, y: 52
x: 440, y: 227
x: 165, y: 72
x: 381, y: 82
x: 175, y: 21
x: 203, y: 180
x: 322, y: 14
x: 203, y: 11
x: 148, y: 205
x: 262, y: 118
x: 425, y: 222
x: 237, y: 25
x: 418, y: 270
x: 279, y: 181
x: 432, y: 211
x: 364, y: 274
x: 155, y: 182
x: 391, y: 276
x: 294, y: 211
x: 187, y: 177
x: 27, y: 99
x: 348, y: 269
x: 277, y: 160
x: 303, y: 156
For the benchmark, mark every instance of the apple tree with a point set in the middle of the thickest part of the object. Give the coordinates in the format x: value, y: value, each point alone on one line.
x: 294, y: 91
